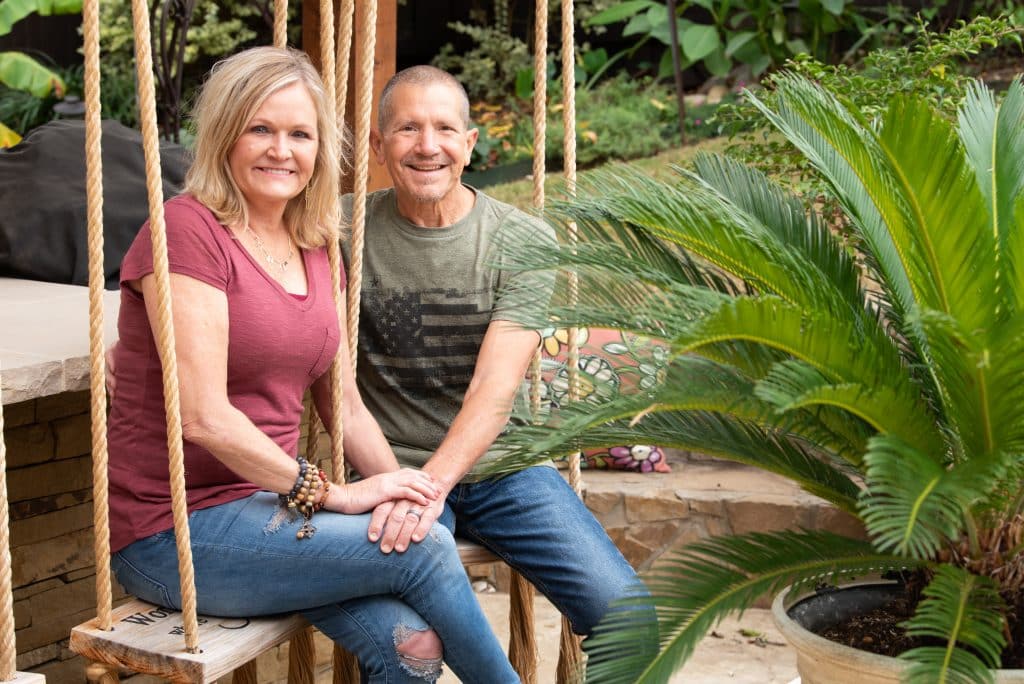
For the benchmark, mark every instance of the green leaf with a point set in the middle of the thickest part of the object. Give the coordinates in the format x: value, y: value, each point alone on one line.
x: 737, y: 41
x: 717, y: 63
x: 21, y: 72
x: 994, y: 140
x: 620, y: 12
x: 699, y: 41
x: 524, y: 84
x: 694, y: 589
x: 12, y: 11
x: 913, y: 503
x: 834, y: 7
x: 965, y: 612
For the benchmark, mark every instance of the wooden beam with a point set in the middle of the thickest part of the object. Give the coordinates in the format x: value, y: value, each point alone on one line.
x: 384, y: 61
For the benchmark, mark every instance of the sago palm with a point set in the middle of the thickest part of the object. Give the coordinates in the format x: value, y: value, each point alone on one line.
x: 882, y: 369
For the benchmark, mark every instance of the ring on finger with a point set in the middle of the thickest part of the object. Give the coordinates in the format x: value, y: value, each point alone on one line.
x: 414, y: 512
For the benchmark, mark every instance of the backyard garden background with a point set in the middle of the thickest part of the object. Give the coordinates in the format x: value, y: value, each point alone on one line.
x: 752, y: 79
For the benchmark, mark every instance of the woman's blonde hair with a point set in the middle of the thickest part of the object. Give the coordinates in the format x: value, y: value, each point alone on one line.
x: 235, y: 89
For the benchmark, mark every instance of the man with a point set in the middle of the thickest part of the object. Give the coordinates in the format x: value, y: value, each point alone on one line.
x: 441, y: 359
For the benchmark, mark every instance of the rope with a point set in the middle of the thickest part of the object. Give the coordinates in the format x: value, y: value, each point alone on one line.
x: 540, y: 89
x: 570, y: 658
x: 98, y: 393
x: 344, y: 57
x: 8, y: 652
x: 280, y: 23
x: 363, y: 108
x: 569, y: 167
x: 165, y: 324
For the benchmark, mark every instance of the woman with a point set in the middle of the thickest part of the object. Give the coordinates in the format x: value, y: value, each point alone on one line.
x: 255, y: 326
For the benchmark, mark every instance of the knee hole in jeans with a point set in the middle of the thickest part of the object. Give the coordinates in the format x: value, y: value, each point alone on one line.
x: 419, y: 652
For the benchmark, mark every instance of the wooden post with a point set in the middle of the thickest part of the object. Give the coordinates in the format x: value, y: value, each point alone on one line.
x: 384, y: 62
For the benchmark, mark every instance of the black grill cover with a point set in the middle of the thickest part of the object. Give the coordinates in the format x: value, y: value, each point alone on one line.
x: 42, y: 200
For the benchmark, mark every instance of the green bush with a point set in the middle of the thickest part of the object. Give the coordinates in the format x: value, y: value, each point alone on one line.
x: 932, y: 67
x: 620, y: 118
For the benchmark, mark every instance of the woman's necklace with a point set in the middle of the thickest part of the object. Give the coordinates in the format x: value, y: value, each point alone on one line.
x: 280, y: 264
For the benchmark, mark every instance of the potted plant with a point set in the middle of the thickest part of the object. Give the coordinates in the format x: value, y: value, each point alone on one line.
x: 878, y: 362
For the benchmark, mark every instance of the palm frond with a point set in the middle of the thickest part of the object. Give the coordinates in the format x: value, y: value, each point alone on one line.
x: 799, y: 231
x: 847, y: 155
x: 698, y: 218
x: 585, y: 426
x: 793, y: 385
x: 944, y: 212
x: 966, y: 612
x: 832, y: 346
x: 993, y: 137
x: 912, y: 504
x: 693, y: 589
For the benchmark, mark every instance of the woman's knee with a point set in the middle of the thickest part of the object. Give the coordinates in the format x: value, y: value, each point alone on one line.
x: 420, y: 651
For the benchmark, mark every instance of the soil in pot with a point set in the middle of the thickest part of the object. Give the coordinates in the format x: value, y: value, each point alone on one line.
x: 878, y: 631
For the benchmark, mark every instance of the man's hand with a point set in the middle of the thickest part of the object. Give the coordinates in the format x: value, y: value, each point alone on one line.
x: 397, y: 523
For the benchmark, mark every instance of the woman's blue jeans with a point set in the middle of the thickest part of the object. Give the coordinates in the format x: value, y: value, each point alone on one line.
x: 535, y: 522
x: 246, y: 566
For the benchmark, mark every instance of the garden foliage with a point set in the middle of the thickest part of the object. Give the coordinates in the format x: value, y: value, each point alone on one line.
x: 884, y: 379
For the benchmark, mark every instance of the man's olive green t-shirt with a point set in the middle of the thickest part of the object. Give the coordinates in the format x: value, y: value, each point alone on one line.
x: 428, y: 295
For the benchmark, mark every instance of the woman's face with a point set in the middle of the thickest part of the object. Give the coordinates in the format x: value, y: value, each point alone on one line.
x: 273, y: 159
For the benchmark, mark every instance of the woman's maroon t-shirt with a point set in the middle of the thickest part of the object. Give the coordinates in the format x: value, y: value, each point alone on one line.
x: 277, y: 346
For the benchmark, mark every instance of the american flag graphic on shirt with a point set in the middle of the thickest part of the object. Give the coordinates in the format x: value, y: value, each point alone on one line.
x: 423, y: 342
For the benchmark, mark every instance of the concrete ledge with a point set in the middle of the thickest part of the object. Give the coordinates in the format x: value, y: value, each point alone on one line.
x: 44, y: 337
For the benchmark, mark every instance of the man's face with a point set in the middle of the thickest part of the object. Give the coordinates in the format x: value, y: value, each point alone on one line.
x: 425, y: 144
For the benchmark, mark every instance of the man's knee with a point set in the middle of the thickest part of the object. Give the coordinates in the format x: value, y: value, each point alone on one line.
x: 420, y: 652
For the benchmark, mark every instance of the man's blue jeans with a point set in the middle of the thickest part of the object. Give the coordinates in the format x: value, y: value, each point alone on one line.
x: 535, y: 522
x: 245, y: 566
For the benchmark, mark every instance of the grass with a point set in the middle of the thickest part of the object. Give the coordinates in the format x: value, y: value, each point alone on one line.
x: 520, y: 193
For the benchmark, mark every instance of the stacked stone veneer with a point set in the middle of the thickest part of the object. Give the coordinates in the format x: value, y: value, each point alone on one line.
x: 49, y: 481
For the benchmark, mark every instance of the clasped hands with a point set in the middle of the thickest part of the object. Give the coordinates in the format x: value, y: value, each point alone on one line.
x: 399, y: 522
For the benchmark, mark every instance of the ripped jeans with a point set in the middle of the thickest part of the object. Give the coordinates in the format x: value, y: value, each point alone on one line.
x: 242, y: 568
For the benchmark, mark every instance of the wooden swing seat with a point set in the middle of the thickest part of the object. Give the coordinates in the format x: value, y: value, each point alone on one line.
x: 148, y: 639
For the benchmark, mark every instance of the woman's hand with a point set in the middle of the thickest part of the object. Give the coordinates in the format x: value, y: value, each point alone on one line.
x: 364, y: 495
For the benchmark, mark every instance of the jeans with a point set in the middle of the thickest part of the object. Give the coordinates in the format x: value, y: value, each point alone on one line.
x: 245, y: 566
x: 535, y: 522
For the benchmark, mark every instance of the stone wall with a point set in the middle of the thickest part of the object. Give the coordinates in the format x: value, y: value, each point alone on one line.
x: 49, y: 481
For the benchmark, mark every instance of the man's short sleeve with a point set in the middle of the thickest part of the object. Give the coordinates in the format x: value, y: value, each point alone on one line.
x: 523, y: 295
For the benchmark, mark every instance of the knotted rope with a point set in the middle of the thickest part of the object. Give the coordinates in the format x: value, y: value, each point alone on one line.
x: 164, y: 332
x: 280, y: 23
x: 363, y: 108
x: 570, y: 658
x: 98, y: 393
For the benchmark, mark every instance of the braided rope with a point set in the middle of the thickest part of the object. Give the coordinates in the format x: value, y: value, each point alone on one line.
x: 522, y: 642
x: 164, y: 332
x: 363, y: 108
x: 344, y: 57
x: 569, y: 171
x: 540, y: 111
x: 570, y: 657
x: 8, y: 651
x: 280, y: 23
x: 327, y: 66
x: 98, y: 394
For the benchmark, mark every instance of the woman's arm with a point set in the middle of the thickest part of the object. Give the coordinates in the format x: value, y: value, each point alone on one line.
x: 209, y: 419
